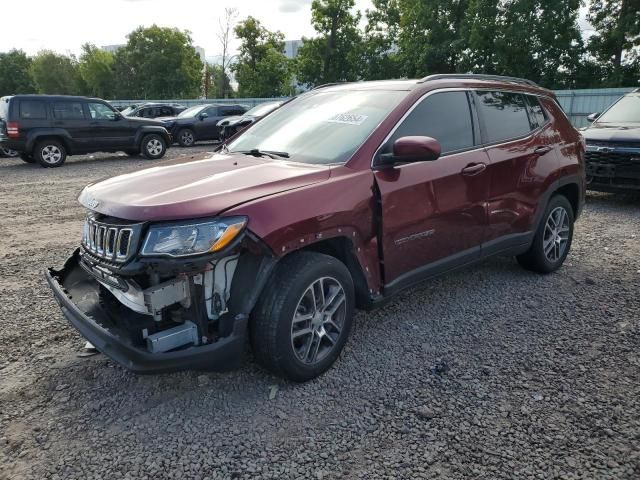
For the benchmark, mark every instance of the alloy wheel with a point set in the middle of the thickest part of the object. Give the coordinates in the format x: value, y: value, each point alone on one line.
x: 187, y: 138
x: 154, y: 147
x: 51, y: 154
x: 318, y: 320
x: 556, y: 234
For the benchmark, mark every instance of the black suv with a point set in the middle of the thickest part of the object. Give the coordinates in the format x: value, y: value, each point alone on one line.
x: 200, y: 122
x: 613, y: 146
x: 154, y: 110
x: 47, y: 128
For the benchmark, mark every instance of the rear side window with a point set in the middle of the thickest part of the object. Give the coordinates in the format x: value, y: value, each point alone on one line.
x: 536, y: 113
x: 166, y: 111
x: 226, y: 111
x: 68, y: 111
x: 33, y: 109
x: 444, y: 116
x: 504, y: 114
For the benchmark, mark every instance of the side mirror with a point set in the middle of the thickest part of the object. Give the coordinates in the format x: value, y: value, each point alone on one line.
x: 593, y: 117
x: 117, y: 116
x: 204, y: 115
x: 409, y: 150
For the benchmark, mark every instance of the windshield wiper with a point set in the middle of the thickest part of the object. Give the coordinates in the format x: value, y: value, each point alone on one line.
x: 269, y: 153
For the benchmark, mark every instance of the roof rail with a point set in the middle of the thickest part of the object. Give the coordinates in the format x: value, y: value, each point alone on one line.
x: 477, y: 76
x: 324, y: 85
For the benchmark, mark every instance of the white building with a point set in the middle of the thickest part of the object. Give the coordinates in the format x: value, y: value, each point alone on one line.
x: 291, y: 48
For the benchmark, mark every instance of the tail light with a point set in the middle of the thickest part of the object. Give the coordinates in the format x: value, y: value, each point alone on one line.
x: 13, y: 130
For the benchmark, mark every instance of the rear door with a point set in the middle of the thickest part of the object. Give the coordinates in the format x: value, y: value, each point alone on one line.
x: 433, y: 213
x: 70, y: 116
x: 520, y: 145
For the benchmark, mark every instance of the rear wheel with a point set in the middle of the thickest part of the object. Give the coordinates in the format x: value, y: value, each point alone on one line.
x: 552, y: 240
x: 50, y: 153
x: 7, y: 152
x: 304, y: 316
x: 186, y: 137
x: 153, y: 146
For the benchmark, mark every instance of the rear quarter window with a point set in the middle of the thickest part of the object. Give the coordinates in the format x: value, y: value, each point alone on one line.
x: 536, y: 112
x: 33, y: 109
x: 505, y: 115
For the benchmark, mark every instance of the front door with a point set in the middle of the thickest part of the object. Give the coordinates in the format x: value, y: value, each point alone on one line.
x: 206, y: 126
x: 109, y: 129
x: 434, y: 213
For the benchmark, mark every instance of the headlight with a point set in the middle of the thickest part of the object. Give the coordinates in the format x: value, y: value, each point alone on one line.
x: 193, y: 238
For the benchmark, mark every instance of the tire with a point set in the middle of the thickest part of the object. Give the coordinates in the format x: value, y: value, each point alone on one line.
x: 27, y: 158
x: 153, y: 146
x: 132, y: 153
x: 7, y: 152
x: 551, y: 243
x: 50, y: 153
x: 186, y: 137
x: 277, y: 340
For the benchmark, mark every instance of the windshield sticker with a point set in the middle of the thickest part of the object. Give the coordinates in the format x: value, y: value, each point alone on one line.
x: 348, y: 118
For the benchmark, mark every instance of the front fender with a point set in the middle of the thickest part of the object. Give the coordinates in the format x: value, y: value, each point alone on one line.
x: 142, y: 131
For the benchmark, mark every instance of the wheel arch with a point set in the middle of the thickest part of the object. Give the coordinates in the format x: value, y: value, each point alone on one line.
x: 342, y: 249
x: 59, y: 135
x: 143, y: 131
x: 572, y: 193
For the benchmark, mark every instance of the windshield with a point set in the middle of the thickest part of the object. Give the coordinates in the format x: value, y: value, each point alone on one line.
x: 626, y: 110
x: 192, y: 111
x: 127, y: 111
x: 262, y: 110
x: 321, y: 127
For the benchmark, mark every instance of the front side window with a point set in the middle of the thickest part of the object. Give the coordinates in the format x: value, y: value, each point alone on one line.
x: 68, y: 111
x: 626, y: 110
x: 504, y: 114
x: 321, y: 127
x: 192, y: 112
x: 444, y: 116
x: 99, y: 111
x: 33, y: 109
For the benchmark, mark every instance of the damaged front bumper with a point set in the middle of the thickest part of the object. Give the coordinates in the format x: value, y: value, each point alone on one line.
x: 142, y: 344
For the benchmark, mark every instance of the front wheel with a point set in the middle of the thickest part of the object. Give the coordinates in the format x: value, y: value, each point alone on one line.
x: 153, y: 146
x: 552, y: 240
x: 50, y: 153
x: 7, y: 152
x: 186, y: 137
x: 303, y: 317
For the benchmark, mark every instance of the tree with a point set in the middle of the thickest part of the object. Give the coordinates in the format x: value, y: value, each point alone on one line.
x: 15, y: 73
x: 479, y: 30
x: 380, y: 58
x: 97, y: 70
x: 539, y: 40
x: 216, y: 82
x: 262, y: 69
x: 429, y: 39
x: 158, y: 63
x: 335, y: 55
x: 226, y: 25
x: 56, y: 74
x: 617, y: 38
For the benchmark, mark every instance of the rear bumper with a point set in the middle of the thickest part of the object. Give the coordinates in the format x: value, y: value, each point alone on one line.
x: 77, y: 294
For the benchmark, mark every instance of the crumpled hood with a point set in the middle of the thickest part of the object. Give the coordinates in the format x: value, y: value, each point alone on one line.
x: 613, y: 132
x: 190, y: 189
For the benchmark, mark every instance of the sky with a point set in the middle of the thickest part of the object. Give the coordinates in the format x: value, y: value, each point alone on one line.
x: 64, y: 25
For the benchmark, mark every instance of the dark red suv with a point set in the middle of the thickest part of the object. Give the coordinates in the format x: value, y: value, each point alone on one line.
x: 341, y: 198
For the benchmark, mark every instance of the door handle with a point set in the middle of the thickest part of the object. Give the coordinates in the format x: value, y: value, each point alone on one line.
x: 474, y: 168
x: 542, y: 150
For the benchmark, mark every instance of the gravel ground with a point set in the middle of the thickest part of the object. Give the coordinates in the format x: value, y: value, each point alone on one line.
x: 489, y: 373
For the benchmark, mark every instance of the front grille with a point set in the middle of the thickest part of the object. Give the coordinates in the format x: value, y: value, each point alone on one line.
x: 610, y: 144
x: 111, y: 241
x: 617, y: 158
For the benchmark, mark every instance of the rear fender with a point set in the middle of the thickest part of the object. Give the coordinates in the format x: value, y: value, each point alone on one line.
x: 35, y: 135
